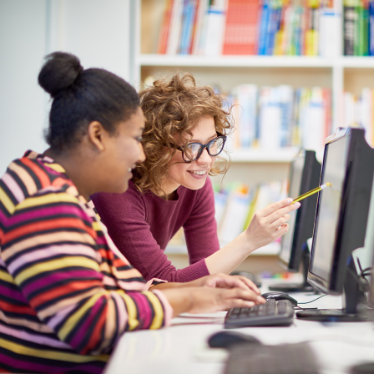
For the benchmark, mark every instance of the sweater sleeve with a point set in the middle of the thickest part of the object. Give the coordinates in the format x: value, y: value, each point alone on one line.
x: 54, y: 255
x: 201, y: 228
x: 125, y: 217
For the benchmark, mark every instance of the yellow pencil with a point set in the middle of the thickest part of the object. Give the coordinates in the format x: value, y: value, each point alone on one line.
x: 312, y: 192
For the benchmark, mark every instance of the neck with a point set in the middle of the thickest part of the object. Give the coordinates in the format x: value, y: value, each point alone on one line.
x: 168, y: 192
x: 76, y: 169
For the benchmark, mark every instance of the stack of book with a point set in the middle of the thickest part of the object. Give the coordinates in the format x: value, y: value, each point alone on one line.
x: 236, y: 205
x: 249, y: 27
x: 270, y: 118
x: 358, y: 28
x: 359, y: 111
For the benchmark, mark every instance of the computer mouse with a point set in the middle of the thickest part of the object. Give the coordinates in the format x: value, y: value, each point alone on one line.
x: 227, y: 339
x: 364, y: 368
x: 274, y: 295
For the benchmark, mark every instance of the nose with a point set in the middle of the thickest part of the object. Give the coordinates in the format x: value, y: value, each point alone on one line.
x: 205, y: 158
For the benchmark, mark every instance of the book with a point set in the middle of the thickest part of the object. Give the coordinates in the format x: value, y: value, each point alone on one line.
x: 263, y: 27
x: 286, y: 108
x: 330, y: 25
x: 164, y: 32
x: 188, y: 17
x: 215, y: 28
x: 349, y: 27
x: 241, y: 28
x: 235, y: 213
x: 314, y: 121
x: 247, y: 113
x: 270, y: 119
x: 175, y: 27
x: 371, y: 29
x: 198, y: 23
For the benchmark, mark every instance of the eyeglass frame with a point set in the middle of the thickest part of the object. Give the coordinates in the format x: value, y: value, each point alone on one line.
x: 202, y: 147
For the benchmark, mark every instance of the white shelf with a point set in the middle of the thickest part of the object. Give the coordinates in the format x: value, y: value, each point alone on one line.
x: 254, y: 61
x: 278, y: 156
x: 269, y: 250
x: 233, y: 61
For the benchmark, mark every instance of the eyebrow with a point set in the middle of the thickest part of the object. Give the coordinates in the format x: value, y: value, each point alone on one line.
x: 198, y: 141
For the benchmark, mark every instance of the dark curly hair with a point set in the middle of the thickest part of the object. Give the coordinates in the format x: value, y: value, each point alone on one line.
x: 173, y: 105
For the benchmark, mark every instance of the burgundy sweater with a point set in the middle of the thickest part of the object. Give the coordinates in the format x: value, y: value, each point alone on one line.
x: 141, y: 226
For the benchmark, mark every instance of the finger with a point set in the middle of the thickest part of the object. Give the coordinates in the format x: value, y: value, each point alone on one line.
x: 282, y: 212
x: 274, y: 207
x: 281, y: 231
x: 238, y: 303
x: 249, y: 295
x: 280, y: 222
x: 231, y: 282
x: 248, y: 283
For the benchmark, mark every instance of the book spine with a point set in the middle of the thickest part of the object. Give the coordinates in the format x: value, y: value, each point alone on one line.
x: 357, y: 44
x: 164, y: 32
x: 263, y: 28
x: 175, y: 27
x: 371, y: 28
x: 349, y: 18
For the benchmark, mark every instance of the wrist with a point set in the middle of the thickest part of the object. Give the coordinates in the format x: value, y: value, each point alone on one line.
x: 247, y: 244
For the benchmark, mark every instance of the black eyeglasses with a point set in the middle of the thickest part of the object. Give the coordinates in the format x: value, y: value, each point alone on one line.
x: 192, y: 151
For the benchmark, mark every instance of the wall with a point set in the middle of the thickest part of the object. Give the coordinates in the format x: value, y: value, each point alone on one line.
x: 22, y: 102
x: 97, y: 31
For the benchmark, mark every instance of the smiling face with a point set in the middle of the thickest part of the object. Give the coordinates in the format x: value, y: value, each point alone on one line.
x: 123, y: 151
x: 191, y: 175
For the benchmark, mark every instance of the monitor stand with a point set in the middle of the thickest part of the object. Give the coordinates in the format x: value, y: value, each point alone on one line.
x: 297, y: 287
x: 354, y: 297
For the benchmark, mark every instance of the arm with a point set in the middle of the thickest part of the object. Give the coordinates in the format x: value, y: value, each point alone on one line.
x: 267, y: 225
x: 125, y: 217
x: 51, y: 250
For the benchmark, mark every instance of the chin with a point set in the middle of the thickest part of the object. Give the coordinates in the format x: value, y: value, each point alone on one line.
x: 196, y: 186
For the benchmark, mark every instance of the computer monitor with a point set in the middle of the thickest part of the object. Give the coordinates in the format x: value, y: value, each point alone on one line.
x: 304, y: 176
x: 340, y: 223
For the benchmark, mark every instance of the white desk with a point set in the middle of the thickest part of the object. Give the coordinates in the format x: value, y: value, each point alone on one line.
x: 182, y: 348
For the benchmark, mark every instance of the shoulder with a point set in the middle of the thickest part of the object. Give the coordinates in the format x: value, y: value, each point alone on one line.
x: 28, y: 179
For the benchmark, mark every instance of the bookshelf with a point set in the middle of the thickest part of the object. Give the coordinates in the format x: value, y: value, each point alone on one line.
x: 338, y: 74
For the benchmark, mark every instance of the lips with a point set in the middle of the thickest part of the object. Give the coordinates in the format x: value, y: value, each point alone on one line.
x: 198, y: 174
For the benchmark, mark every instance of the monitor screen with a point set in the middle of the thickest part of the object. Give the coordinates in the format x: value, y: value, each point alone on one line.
x: 296, y: 174
x: 328, y: 211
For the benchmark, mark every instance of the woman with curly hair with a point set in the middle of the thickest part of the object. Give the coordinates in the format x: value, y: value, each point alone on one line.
x: 184, y: 135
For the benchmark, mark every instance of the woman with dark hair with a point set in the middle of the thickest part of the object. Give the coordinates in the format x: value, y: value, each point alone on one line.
x: 184, y: 135
x: 67, y: 293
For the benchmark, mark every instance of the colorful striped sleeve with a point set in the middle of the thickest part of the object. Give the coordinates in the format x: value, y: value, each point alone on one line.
x: 54, y: 254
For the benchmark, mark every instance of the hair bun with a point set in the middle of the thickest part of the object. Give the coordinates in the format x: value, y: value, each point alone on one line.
x: 59, y: 72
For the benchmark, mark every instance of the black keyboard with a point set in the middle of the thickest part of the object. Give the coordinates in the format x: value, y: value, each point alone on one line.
x: 273, y: 313
x: 272, y: 359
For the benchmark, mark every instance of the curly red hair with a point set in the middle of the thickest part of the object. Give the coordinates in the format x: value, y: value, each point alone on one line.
x: 173, y: 105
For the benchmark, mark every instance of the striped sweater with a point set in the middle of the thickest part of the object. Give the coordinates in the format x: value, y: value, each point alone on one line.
x: 66, y: 292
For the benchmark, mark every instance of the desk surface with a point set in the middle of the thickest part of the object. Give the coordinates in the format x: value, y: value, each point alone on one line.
x: 182, y: 348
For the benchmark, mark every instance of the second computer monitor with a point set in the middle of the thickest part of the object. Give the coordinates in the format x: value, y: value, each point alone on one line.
x: 304, y: 176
